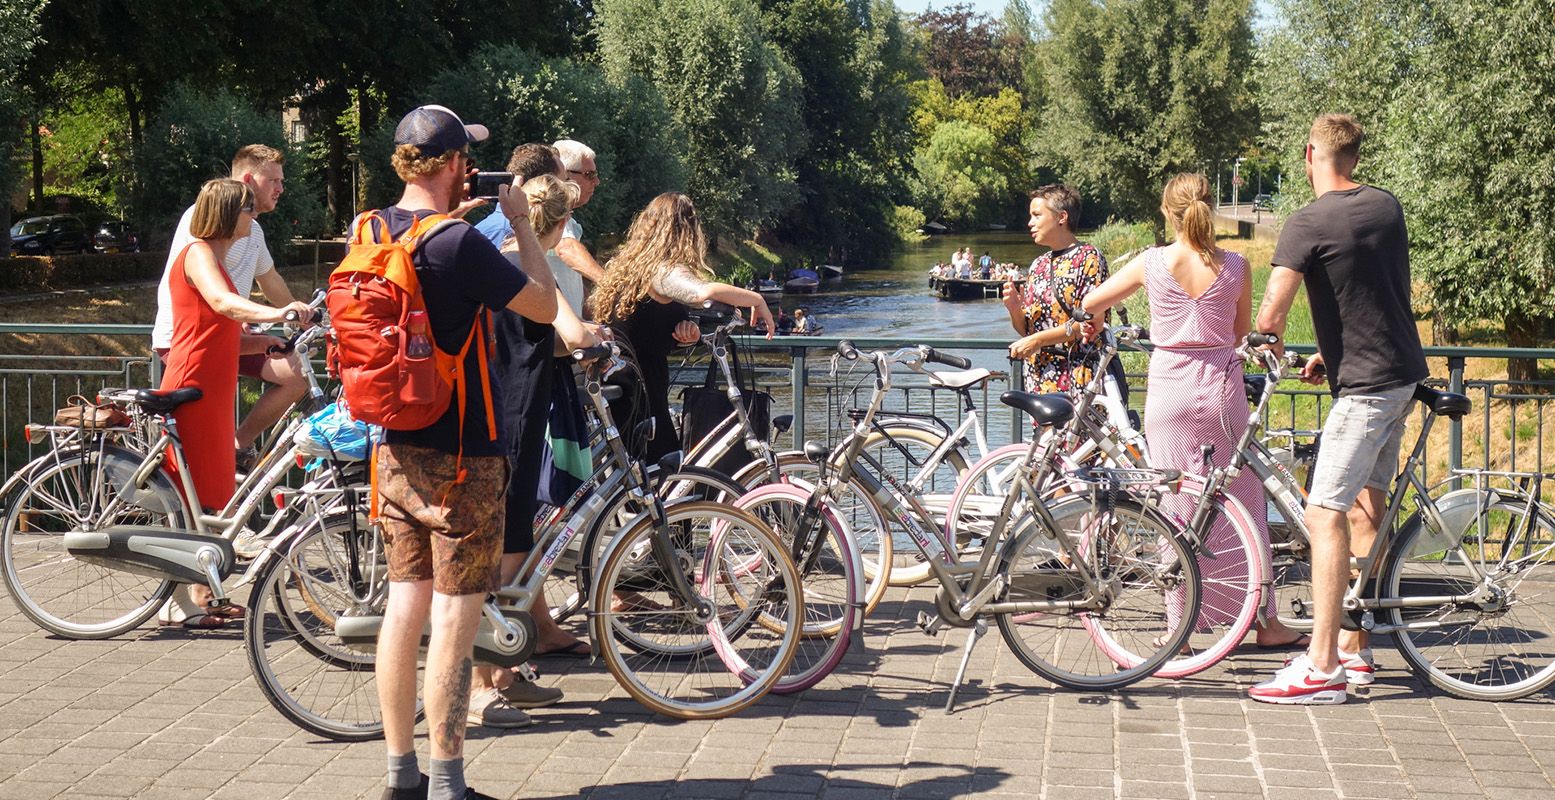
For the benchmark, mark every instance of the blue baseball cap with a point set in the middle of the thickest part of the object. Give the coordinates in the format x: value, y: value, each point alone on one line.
x: 436, y: 130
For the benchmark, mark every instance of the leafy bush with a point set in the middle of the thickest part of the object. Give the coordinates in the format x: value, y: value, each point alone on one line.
x: 1116, y: 239
x: 191, y: 140
x: 907, y: 222
x: 58, y: 272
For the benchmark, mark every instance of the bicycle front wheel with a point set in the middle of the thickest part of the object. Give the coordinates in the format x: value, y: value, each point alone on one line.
x: 66, y: 491
x: 1233, y: 573
x: 1477, y: 595
x: 302, y: 668
x: 688, y: 662
x: 1146, y: 580
x: 831, y: 579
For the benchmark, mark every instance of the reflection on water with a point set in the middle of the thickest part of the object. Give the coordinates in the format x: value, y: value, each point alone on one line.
x: 895, y: 300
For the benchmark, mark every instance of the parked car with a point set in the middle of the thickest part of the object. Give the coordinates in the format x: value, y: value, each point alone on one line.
x: 1263, y: 202
x: 115, y: 236
x: 48, y: 236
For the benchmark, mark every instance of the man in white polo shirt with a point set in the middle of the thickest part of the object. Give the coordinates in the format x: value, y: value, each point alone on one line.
x: 247, y: 262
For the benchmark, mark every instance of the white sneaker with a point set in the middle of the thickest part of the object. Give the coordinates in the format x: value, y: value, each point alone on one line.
x: 1360, y: 669
x: 1299, y: 683
x: 249, y: 544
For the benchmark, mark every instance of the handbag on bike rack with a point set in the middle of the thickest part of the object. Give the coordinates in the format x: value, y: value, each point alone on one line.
x: 705, y: 407
x: 83, y: 413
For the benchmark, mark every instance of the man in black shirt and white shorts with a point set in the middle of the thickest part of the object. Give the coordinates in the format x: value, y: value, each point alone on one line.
x: 1351, y: 249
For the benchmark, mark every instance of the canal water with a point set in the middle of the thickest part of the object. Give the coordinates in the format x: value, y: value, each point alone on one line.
x: 894, y: 299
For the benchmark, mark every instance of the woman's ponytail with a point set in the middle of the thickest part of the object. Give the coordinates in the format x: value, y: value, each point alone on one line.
x: 1185, y: 202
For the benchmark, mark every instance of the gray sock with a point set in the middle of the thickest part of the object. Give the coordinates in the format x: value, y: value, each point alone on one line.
x: 403, y: 771
x: 445, y: 780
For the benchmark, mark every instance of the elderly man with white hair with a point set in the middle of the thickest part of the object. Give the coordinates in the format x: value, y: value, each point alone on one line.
x: 578, y: 160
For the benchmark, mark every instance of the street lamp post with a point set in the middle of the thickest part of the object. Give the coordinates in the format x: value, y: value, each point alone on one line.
x: 1236, y: 183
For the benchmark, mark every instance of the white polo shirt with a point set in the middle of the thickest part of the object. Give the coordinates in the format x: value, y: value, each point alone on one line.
x: 247, y: 259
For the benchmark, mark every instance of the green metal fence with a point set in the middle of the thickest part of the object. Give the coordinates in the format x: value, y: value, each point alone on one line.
x: 1511, y: 427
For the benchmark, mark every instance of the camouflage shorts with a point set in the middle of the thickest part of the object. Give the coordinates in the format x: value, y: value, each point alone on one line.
x: 433, y: 528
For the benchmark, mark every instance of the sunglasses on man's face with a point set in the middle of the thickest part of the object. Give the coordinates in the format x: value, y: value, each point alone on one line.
x: 591, y: 174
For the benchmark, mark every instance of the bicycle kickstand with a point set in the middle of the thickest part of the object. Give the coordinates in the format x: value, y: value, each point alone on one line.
x: 979, y: 628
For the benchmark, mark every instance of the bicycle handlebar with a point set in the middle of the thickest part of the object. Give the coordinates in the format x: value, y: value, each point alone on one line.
x: 935, y: 356
x: 1256, y: 339
x: 598, y: 351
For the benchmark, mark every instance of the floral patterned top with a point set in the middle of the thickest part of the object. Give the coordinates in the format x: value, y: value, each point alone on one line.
x: 1070, y: 274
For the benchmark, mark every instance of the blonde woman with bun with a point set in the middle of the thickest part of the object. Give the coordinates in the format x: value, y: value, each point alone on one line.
x: 1200, y: 309
x: 526, y: 366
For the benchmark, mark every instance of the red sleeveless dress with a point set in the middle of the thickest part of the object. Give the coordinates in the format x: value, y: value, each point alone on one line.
x: 204, y: 353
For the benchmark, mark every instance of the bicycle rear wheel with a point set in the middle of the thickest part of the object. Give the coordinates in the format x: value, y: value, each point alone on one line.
x: 687, y: 483
x: 65, y: 492
x: 307, y: 674
x: 832, y: 584
x: 1148, y: 573
x: 675, y: 660
x: 903, y: 451
x: 1489, y: 634
x: 851, y: 505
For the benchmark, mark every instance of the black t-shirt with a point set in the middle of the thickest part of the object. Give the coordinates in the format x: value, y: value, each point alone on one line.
x: 461, y: 274
x: 1353, y: 249
x: 524, y: 360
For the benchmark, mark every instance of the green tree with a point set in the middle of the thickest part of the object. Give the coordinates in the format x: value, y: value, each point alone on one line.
x: 854, y: 111
x: 733, y: 95
x: 18, y: 35
x: 525, y: 97
x: 1469, y: 147
x: 1137, y: 90
x: 960, y: 180
x: 191, y: 140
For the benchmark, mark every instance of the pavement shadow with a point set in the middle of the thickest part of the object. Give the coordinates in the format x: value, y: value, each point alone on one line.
x: 812, y: 780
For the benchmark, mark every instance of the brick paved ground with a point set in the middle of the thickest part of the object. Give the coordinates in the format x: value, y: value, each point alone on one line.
x: 166, y: 714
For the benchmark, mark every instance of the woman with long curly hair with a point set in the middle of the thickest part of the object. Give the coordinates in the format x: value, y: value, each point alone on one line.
x: 661, y: 269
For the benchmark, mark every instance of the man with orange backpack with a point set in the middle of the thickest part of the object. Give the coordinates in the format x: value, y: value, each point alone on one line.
x: 438, y: 486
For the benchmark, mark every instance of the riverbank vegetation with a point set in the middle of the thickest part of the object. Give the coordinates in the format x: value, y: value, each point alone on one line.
x: 828, y: 131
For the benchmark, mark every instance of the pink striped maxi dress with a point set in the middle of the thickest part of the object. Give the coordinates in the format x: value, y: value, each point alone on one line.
x: 1196, y: 398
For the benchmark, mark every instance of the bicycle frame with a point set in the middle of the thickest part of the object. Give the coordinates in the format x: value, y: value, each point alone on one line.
x: 904, y: 507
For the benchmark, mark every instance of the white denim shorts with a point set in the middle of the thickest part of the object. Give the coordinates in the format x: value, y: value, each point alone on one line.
x: 1360, y: 446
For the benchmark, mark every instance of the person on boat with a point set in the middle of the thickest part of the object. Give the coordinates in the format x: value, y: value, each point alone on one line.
x: 802, y: 322
x: 986, y: 262
x: 785, y: 323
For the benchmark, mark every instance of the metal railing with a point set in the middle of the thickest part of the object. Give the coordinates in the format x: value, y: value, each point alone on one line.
x: 1511, y: 426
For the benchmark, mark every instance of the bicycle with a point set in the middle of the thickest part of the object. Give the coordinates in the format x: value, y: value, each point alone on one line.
x: 97, y: 535
x: 701, y: 575
x: 1091, y: 565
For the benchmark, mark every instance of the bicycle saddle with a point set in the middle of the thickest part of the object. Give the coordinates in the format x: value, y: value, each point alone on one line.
x: 160, y: 402
x: 960, y: 378
x: 1253, y: 386
x: 1447, y: 404
x: 1046, y: 409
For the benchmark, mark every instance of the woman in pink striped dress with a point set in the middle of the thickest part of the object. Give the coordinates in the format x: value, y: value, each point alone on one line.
x: 1200, y: 310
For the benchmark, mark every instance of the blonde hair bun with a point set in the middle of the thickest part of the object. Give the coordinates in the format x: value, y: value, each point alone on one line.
x: 550, y: 201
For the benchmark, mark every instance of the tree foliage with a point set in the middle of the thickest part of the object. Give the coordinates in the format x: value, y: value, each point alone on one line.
x: 967, y: 52
x: 523, y: 97
x: 1136, y: 90
x: 854, y: 109
x: 191, y: 140
x: 734, y: 96
x: 962, y: 182
x: 19, y: 33
x: 1467, y: 144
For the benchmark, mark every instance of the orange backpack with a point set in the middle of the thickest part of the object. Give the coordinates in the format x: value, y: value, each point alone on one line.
x: 376, y: 310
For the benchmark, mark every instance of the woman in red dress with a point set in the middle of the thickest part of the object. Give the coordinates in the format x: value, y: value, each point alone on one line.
x: 207, y: 328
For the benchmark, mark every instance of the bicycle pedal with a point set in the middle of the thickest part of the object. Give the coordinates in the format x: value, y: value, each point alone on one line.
x: 929, y: 624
